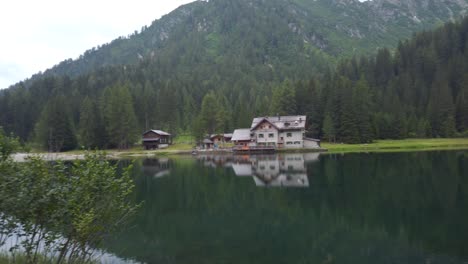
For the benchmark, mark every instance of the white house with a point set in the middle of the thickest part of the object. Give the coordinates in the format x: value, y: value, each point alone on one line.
x: 281, y: 132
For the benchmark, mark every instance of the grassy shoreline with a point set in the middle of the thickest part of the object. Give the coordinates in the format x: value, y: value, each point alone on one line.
x: 181, y: 149
x: 403, y: 145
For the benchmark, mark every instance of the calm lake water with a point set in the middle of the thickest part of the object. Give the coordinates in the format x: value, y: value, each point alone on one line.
x: 300, y: 208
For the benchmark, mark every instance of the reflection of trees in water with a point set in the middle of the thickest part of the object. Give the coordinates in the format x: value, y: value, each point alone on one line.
x: 359, y: 208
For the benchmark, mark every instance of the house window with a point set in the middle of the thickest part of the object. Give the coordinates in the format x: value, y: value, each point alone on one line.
x: 260, y: 135
x: 272, y: 167
x: 269, y: 126
x: 289, y: 134
x: 297, y: 143
x: 271, y: 135
x: 289, y: 143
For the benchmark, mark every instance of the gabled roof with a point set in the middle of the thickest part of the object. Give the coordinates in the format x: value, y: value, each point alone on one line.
x: 282, y: 122
x: 220, y: 135
x: 264, y: 119
x: 207, y: 141
x: 242, y: 134
x: 159, y: 132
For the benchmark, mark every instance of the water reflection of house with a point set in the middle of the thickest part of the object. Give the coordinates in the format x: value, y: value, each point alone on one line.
x: 156, y: 167
x: 242, y: 169
x: 288, y: 171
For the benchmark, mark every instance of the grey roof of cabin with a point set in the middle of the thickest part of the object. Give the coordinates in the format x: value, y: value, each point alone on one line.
x: 282, y: 122
x: 223, y: 135
x: 159, y: 132
x: 241, y: 134
x: 207, y: 141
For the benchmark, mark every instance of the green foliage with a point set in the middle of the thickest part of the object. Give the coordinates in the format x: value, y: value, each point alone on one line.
x: 119, y: 116
x: 8, y: 144
x: 283, y: 101
x: 329, y: 130
x: 55, y: 129
x: 212, y: 114
x: 91, y: 130
x: 80, y: 203
x: 417, y: 90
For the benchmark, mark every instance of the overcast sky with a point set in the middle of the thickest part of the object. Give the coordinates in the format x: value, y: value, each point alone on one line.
x: 37, y: 34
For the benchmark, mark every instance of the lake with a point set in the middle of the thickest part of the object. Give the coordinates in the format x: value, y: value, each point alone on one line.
x: 300, y: 208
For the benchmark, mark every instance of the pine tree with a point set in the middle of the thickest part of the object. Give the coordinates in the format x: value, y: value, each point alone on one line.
x: 211, y: 114
x: 348, y: 129
x: 54, y: 130
x: 441, y: 109
x: 120, y: 117
x: 462, y: 111
x: 362, y: 101
x: 329, y: 131
x: 283, y: 101
x: 91, y: 129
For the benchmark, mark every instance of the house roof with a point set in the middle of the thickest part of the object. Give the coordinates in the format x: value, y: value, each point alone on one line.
x: 221, y: 135
x: 281, y: 122
x: 159, y: 132
x: 216, y: 135
x: 242, y: 134
x: 264, y: 119
x: 207, y: 141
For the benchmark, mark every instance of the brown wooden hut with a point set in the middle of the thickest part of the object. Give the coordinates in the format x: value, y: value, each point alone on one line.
x: 153, y: 139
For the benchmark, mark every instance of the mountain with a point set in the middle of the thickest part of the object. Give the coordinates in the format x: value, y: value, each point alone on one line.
x: 278, y: 30
x: 217, y: 64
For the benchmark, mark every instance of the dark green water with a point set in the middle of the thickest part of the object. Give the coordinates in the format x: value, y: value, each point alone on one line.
x: 353, y: 208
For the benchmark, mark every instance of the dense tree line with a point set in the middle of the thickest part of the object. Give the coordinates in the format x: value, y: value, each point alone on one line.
x: 418, y: 90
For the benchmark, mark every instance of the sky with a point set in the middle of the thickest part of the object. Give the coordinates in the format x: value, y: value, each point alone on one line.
x: 38, y: 34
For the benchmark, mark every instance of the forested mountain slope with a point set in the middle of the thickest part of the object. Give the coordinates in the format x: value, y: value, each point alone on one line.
x: 267, y: 33
x: 267, y: 68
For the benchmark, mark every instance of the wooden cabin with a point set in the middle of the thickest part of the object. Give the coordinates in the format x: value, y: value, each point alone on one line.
x: 241, y: 137
x: 154, y: 139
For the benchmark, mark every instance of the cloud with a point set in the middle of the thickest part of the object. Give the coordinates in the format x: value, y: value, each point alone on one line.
x: 39, y: 34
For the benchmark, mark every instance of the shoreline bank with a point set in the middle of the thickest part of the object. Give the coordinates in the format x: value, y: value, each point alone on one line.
x: 379, y: 146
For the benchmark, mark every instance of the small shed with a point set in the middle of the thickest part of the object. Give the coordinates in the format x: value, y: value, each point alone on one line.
x: 227, y: 137
x: 311, y: 143
x: 207, y: 144
x: 154, y: 139
x: 217, y: 138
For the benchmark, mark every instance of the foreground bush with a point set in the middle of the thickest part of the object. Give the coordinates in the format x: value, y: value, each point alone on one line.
x: 60, y: 210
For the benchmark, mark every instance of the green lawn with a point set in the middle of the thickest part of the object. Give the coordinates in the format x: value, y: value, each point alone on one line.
x: 184, y: 144
x: 400, y: 145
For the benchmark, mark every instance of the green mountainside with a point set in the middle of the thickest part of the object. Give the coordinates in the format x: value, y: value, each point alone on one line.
x: 270, y: 32
x: 215, y: 65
